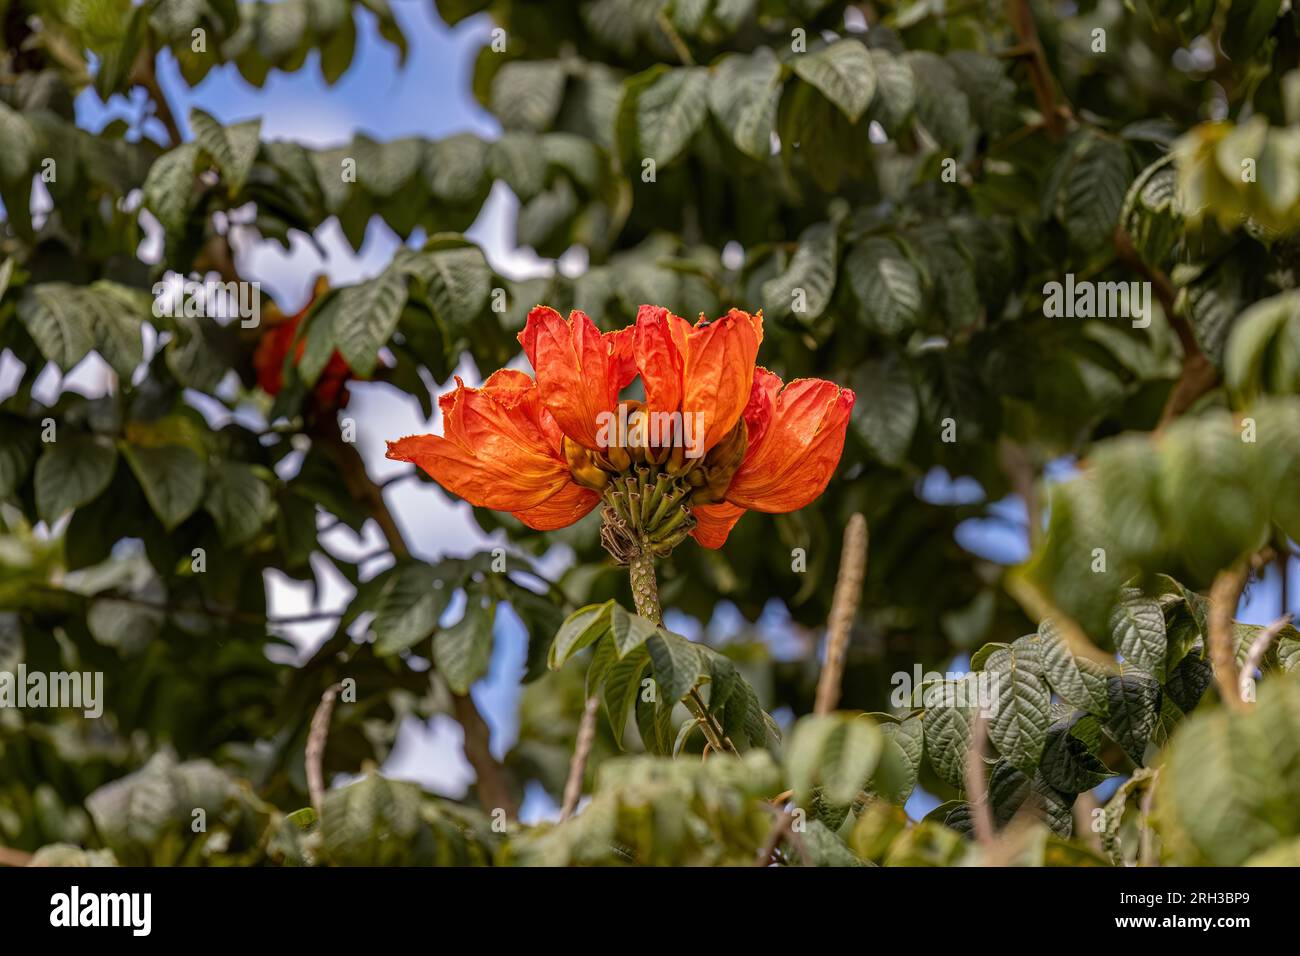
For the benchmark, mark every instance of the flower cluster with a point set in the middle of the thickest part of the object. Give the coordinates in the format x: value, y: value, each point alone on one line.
x: 331, y: 392
x: 714, y: 436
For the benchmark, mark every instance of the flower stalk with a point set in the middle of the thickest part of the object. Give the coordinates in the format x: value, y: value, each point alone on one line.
x: 645, y: 595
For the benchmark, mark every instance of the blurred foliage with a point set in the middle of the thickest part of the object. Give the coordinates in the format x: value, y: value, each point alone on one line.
x: 895, y: 184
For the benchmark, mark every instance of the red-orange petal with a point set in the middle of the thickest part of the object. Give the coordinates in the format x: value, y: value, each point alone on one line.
x: 272, y: 348
x: 718, y: 369
x: 796, y: 437
x: 657, y: 357
x: 580, y: 370
x: 714, y: 523
x: 500, y: 449
x: 560, y: 510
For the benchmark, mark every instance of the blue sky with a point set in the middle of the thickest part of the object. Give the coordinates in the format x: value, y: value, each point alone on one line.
x: 429, y: 97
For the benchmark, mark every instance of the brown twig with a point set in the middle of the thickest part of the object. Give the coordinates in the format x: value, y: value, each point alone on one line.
x: 494, y: 793
x: 1225, y: 592
x: 977, y: 786
x: 1146, y: 852
x: 844, y: 607
x: 317, y: 736
x: 1019, y: 467
x: 1040, y: 75
x: 1198, y: 374
x: 581, y: 751
x: 147, y: 76
x: 1255, y: 656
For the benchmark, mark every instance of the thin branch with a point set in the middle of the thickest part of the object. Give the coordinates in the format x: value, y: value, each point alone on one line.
x: 1198, y: 375
x: 774, y: 837
x: 844, y: 608
x: 317, y: 736
x: 147, y: 76
x: 1225, y: 592
x: 1146, y: 852
x: 225, y: 614
x: 977, y: 786
x: 1255, y: 656
x: 1019, y: 467
x: 679, y: 46
x: 1040, y: 75
x: 581, y: 751
x: 494, y: 792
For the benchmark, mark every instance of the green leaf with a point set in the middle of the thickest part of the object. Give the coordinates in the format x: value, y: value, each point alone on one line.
x: 805, y: 288
x: 1022, y: 714
x: 743, y: 95
x: 366, y: 316
x: 676, y: 662
x: 233, y: 148
x: 117, y: 314
x: 72, y: 472
x: 670, y: 106
x: 1248, y: 25
x: 169, y: 187
x: 238, y: 500
x: 1134, y: 702
x: 629, y: 631
x: 463, y: 651
x: 947, y: 729
x: 843, y: 72
x: 456, y: 280
x: 887, y: 285
x: 1094, y: 191
x: 171, y: 477
x: 20, y: 154
x: 887, y: 408
x: 17, y: 451
x: 412, y: 600
x: 622, y: 687
x: 1070, y: 763
x: 583, y: 627
x: 526, y: 94
x: 905, y: 740
x: 58, y: 322
x: 1078, y: 681
x: 1138, y: 630
x: 942, y: 105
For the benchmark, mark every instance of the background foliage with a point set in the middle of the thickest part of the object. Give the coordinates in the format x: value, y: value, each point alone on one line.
x: 782, y: 154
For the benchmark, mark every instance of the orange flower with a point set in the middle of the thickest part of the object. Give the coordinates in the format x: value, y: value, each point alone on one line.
x: 796, y: 437
x: 331, y: 391
x: 502, y: 450
x: 715, y: 436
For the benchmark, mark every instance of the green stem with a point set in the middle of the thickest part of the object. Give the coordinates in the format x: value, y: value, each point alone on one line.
x: 645, y: 594
x: 645, y: 589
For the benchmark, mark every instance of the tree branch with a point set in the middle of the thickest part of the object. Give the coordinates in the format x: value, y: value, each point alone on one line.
x: 494, y: 792
x: 844, y: 608
x: 977, y: 786
x: 1040, y: 75
x: 317, y: 737
x: 1255, y: 656
x: 1198, y: 375
x: 147, y: 76
x: 1225, y: 592
x: 581, y: 751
